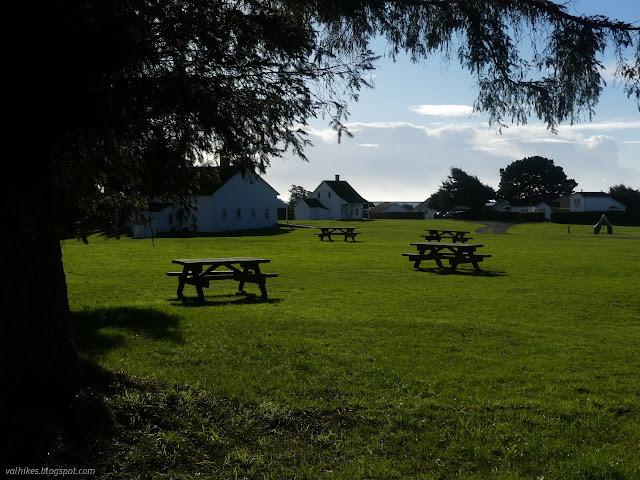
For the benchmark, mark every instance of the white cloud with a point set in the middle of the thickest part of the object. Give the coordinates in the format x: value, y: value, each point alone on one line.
x: 602, y: 126
x: 402, y: 161
x: 443, y: 110
x: 327, y: 135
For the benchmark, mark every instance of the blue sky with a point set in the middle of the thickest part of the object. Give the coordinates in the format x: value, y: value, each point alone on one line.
x: 415, y: 125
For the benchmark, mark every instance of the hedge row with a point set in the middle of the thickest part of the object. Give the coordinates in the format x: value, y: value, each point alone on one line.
x: 573, y: 218
x: 591, y: 218
x: 396, y: 215
x: 511, y: 217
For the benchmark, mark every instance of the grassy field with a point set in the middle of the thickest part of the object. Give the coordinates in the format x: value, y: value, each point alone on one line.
x: 359, y: 365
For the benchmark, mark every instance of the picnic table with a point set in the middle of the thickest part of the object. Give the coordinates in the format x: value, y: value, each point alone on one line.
x: 241, y: 269
x: 348, y: 232
x: 455, y: 253
x: 439, y: 235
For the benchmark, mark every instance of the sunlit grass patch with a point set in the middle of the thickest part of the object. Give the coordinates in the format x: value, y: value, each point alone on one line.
x: 360, y: 366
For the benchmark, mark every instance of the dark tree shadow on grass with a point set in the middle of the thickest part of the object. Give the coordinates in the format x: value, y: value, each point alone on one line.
x: 258, y: 232
x: 239, y: 298
x: 463, y: 271
x: 88, y: 327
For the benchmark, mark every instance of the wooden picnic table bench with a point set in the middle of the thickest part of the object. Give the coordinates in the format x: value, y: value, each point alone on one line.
x: 241, y: 269
x: 454, y: 253
x: 348, y: 232
x: 439, y: 235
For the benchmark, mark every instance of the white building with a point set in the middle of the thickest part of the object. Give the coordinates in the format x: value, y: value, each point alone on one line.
x: 514, y: 206
x: 594, y: 202
x: 236, y: 202
x: 426, y: 209
x: 332, y: 200
x: 311, y: 209
x: 545, y: 208
x: 391, y: 207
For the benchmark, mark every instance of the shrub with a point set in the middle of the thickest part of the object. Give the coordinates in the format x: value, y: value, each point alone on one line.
x: 591, y: 218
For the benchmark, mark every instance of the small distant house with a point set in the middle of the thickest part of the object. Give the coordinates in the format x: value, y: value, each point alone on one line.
x: 390, y: 207
x: 594, y: 202
x: 514, y: 206
x: 332, y: 200
x: 545, y: 208
x: 426, y: 209
x: 560, y: 204
x: 311, y: 209
x: 461, y: 208
x: 236, y: 201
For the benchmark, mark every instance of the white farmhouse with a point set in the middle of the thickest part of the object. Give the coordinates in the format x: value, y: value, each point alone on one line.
x: 332, y: 200
x: 594, y: 202
x: 236, y: 202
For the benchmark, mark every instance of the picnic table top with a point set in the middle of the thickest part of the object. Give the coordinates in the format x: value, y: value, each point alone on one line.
x: 437, y: 230
x: 448, y: 245
x: 337, y: 228
x: 214, y: 261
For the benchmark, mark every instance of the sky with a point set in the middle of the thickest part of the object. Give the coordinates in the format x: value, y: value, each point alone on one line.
x: 415, y: 125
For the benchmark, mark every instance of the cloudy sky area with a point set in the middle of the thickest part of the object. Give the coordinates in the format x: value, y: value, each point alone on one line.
x: 416, y: 124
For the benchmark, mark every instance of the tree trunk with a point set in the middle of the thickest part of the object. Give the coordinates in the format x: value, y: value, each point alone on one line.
x: 42, y: 365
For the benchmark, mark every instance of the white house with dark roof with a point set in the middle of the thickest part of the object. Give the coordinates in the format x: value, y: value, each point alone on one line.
x: 233, y: 202
x: 332, y: 200
x: 311, y: 209
x: 594, y: 202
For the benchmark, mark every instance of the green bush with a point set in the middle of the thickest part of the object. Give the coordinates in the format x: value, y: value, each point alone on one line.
x: 591, y: 218
x: 532, y: 217
x: 512, y: 217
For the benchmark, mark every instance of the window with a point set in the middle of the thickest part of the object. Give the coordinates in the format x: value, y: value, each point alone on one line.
x: 356, y: 211
x: 329, y: 194
x: 223, y: 214
x: 171, y: 219
x: 318, y: 194
x: 253, y: 214
x: 266, y: 214
x: 238, y: 214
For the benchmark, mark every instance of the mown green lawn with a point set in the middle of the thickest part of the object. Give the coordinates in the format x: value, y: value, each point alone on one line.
x: 359, y: 365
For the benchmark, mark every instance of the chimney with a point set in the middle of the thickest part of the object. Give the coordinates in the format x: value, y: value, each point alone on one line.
x: 337, y: 178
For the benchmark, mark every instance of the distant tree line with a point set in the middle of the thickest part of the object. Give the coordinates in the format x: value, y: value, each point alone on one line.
x: 531, y: 180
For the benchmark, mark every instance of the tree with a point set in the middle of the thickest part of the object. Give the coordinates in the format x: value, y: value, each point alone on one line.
x: 296, y: 193
x: 459, y: 189
x: 118, y: 100
x: 132, y: 96
x: 534, y: 180
x: 627, y: 196
x: 559, y: 81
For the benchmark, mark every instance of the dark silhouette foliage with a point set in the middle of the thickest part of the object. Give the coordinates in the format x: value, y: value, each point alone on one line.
x: 534, y: 180
x: 461, y: 189
x: 627, y: 196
